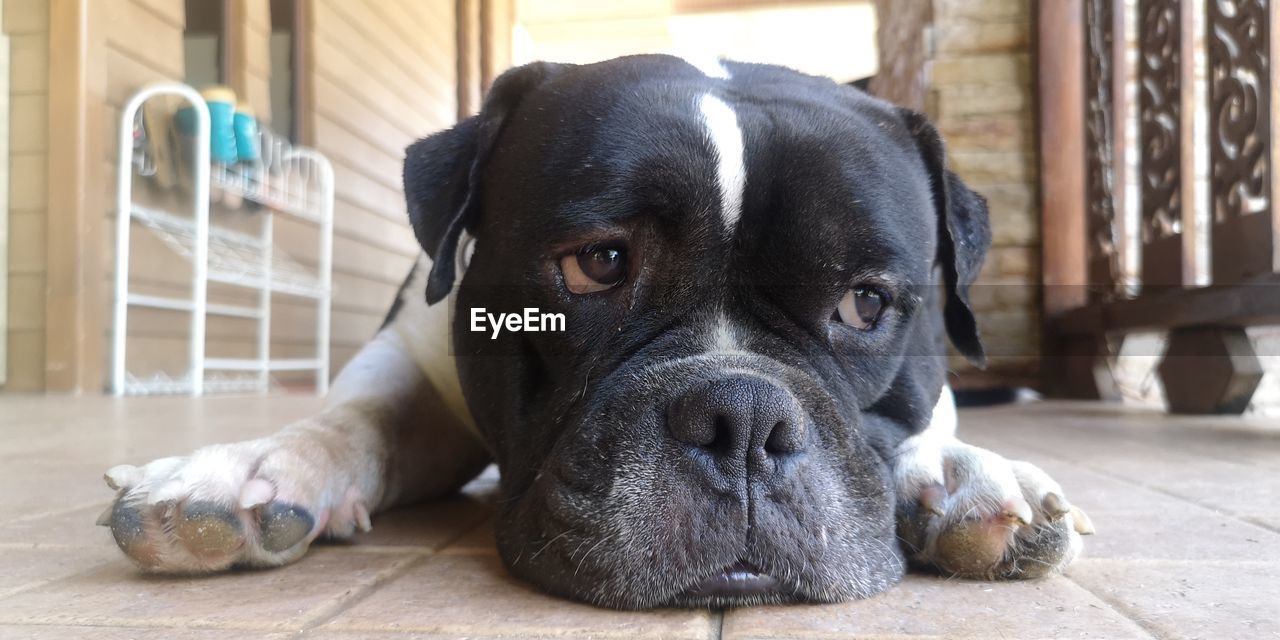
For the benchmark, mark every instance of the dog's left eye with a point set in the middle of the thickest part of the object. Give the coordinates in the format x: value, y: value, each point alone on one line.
x: 860, y: 307
x: 594, y: 269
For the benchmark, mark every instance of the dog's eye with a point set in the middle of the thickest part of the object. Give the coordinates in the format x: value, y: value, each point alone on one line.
x: 860, y: 307
x: 594, y: 269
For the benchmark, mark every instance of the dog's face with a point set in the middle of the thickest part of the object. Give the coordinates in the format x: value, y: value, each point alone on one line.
x: 744, y: 267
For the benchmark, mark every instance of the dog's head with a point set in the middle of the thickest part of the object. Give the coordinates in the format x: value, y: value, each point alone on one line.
x: 746, y: 259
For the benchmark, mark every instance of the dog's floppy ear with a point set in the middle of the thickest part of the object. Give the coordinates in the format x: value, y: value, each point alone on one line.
x: 442, y: 173
x: 964, y: 232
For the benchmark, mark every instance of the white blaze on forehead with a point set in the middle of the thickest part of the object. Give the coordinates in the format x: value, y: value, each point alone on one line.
x: 709, y: 66
x: 723, y: 337
x: 722, y: 130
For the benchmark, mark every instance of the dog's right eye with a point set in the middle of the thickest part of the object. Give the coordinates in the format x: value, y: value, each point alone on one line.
x: 861, y: 307
x: 594, y: 269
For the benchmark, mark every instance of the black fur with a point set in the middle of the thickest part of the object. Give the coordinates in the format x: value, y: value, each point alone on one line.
x: 598, y: 501
x: 965, y: 236
x: 442, y: 173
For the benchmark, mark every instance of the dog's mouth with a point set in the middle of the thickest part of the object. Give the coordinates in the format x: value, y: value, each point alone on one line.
x: 737, y: 581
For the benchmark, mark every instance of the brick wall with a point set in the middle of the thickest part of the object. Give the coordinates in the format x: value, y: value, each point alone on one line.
x: 967, y: 64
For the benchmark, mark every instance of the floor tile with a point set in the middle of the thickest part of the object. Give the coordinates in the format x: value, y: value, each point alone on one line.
x: 1268, y: 519
x: 927, y: 606
x: 36, y: 487
x: 117, y: 594
x: 1189, y: 599
x: 28, y: 566
x: 329, y: 634
x: 474, y: 595
x: 1188, y: 533
x: 1212, y: 482
x: 59, y: 632
x: 428, y: 526
x: 70, y: 527
x: 479, y: 539
x: 1175, y: 567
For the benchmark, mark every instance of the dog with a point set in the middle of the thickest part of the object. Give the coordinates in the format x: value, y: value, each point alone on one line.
x: 756, y: 272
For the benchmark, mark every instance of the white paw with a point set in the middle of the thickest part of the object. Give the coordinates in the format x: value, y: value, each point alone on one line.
x: 255, y: 503
x: 972, y: 513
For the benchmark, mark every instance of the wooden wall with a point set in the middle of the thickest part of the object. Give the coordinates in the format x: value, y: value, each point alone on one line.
x: 27, y: 24
x: 382, y: 73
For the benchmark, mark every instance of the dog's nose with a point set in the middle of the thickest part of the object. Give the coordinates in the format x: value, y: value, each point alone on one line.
x: 739, y: 418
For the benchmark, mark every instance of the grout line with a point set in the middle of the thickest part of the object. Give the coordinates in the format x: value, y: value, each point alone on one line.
x: 89, y: 567
x: 1259, y: 523
x: 359, y: 594
x: 1181, y: 562
x: 1114, y: 605
x: 716, y: 632
x: 446, y: 547
x: 55, y: 512
x: 417, y: 556
x: 1156, y: 489
x: 149, y: 624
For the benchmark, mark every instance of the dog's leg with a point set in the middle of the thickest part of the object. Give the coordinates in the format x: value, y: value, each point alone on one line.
x: 972, y: 513
x: 389, y: 434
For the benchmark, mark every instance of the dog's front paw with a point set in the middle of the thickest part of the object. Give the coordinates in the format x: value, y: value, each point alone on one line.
x: 256, y: 503
x: 971, y: 513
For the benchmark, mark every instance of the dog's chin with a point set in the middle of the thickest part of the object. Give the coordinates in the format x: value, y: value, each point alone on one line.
x: 737, y: 584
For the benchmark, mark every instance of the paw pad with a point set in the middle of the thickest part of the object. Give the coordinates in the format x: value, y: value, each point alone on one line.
x: 283, y: 525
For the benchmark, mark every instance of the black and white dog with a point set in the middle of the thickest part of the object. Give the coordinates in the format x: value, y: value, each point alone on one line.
x: 747, y: 402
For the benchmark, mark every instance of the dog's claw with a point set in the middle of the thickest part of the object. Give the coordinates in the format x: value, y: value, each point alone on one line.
x: 1055, y: 506
x: 932, y: 499
x: 362, y: 518
x: 1017, y: 511
x: 1083, y: 525
x: 122, y: 476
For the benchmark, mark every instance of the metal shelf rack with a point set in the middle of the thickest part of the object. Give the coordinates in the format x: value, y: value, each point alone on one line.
x: 287, y: 180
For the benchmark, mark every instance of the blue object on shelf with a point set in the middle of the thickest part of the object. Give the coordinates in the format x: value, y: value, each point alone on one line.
x: 246, y: 133
x: 222, y: 137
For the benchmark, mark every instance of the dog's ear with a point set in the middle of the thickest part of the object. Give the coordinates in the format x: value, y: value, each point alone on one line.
x: 964, y: 232
x: 442, y: 173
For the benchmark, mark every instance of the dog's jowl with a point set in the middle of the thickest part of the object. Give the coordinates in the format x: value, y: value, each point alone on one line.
x: 755, y: 274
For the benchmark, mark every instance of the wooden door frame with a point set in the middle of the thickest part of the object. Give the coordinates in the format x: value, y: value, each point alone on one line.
x: 1059, y: 34
x: 483, y: 39
x: 5, y: 167
x: 76, y: 319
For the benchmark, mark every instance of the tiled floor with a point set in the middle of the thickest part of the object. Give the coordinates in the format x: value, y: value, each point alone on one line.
x: 1187, y: 512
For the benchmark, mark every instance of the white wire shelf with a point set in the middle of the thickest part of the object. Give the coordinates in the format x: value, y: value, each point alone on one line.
x: 285, y: 179
x: 234, y: 258
x: 250, y: 364
x: 293, y: 181
x: 184, y: 304
x: 163, y: 384
x: 289, y: 193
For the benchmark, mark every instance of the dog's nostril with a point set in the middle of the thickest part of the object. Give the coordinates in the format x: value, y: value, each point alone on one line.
x: 787, y: 436
x: 721, y: 435
x: 773, y: 444
x: 777, y: 441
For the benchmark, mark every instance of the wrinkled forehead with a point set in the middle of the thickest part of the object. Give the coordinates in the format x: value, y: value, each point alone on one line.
x: 708, y: 144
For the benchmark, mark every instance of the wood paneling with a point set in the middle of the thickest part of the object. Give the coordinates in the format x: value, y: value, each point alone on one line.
x: 381, y: 82
x: 144, y: 35
x: 379, y: 75
x: 27, y: 25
